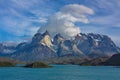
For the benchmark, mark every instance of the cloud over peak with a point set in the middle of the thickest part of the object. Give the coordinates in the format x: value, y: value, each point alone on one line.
x: 64, y: 21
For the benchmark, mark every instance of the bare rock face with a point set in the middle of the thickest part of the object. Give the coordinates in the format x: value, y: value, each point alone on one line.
x: 46, y: 40
x: 96, y: 45
x: 68, y: 48
x: 58, y: 38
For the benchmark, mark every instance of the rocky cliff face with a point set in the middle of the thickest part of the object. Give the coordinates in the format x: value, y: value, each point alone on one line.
x: 38, y: 49
x: 43, y: 47
x: 66, y: 47
x: 34, y: 52
x: 44, y: 39
x: 96, y: 45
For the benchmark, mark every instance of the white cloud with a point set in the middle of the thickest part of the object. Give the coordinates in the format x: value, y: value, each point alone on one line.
x: 78, y: 9
x: 32, y: 30
x: 19, y: 27
x: 107, y: 12
x: 19, y: 18
x: 26, y: 4
x: 64, y: 21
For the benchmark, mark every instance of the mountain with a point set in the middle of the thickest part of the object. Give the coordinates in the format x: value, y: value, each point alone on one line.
x: 38, y: 49
x: 95, y: 61
x: 44, y: 39
x: 96, y: 45
x: 113, y: 61
x: 44, y: 47
x: 7, y: 47
x: 66, y: 47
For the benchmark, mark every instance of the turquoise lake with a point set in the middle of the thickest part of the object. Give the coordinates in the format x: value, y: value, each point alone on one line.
x: 61, y: 72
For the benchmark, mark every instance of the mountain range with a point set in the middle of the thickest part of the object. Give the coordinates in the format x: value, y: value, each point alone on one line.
x: 45, y: 47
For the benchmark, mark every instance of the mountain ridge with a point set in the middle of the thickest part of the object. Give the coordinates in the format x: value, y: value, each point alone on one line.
x: 43, y: 47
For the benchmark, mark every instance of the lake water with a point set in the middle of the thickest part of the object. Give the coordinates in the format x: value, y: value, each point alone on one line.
x: 61, y: 72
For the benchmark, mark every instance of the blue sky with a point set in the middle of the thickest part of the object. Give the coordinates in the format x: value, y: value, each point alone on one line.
x: 21, y: 19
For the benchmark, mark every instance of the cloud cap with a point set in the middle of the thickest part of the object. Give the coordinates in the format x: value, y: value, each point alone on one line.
x: 63, y: 22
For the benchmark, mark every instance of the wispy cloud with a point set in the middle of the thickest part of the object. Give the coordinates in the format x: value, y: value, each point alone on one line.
x: 107, y: 12
x: 20, y: 17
